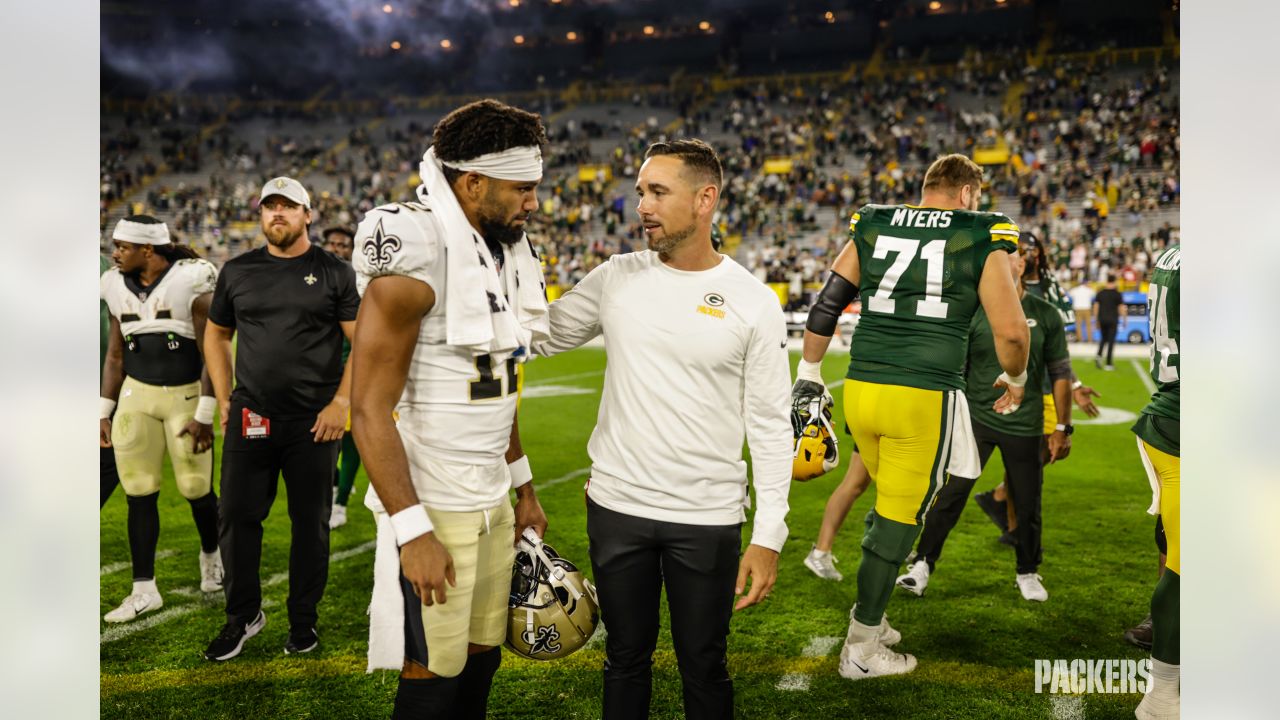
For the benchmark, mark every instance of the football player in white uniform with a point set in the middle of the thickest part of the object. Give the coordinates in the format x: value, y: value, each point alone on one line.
x: 154, y: 380
x: 452, y: 298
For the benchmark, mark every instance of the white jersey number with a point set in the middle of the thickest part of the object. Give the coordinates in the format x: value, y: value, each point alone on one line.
x: 905, y: 251
x: 1163, y: 347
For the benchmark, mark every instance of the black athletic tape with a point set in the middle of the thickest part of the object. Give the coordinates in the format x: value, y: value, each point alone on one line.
x: 835, y: 296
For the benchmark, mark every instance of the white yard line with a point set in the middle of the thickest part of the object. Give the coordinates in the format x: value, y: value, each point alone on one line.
x: 119, y: 632
x: 1067, y: 707
x: 819, y: 646
x: 563, y: 478
x: 116, y: 567
x: 562, y: 378
x: 1146, y: 376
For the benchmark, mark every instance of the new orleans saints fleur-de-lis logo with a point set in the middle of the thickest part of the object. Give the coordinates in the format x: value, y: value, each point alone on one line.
x: 379, y: 248
x: 544, y: 640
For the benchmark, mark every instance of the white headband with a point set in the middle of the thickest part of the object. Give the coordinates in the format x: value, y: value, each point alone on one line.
x: 518, y: 164
x: 141, y: 233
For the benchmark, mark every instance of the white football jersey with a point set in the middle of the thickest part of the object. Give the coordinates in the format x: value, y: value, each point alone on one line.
x: 164, y: 307
x: 456, y: 406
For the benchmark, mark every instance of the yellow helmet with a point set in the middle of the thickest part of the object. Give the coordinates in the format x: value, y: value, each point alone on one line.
x: 816, y: 450
x: 552, y: 610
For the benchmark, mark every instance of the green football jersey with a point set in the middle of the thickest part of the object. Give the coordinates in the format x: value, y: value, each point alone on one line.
x: 1048, y: 344
x: 1158, y: 424
x: 919, y: 286
x: 104, y: 321
x: 1048, y: 289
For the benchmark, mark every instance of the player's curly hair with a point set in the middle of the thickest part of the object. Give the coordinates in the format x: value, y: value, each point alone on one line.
x: 172, y: 252
x: 698, y: 157
x: 483, y: 127
x: 1043, y: 265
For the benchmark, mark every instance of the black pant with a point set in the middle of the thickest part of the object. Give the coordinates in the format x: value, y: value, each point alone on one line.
x: 250, y: 471
x: 108, y: 478
x: 1108, y: 330
x: 632, y: 558
x: 1025, y: 467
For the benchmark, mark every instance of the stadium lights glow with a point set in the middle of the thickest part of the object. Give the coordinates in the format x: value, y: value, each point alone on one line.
x: 704, y: 25
x: 446, y: 44
x: 571, y: 36
x: 648, y: 29
x: 387, y: 8
x: 519, y: 39
x: 515, y: 3
x: 935, y: 5
x: 395, y: 44
x: 830, y: 16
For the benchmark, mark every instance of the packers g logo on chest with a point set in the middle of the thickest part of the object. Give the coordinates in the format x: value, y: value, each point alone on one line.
x: 712, y: 304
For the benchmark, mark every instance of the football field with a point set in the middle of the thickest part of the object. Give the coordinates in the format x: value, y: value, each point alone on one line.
x: 975, y: 637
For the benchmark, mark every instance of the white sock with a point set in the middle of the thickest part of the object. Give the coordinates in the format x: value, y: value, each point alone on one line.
x: 209, y: 555
x: 1165, y: 678
x: 145, y: 586
x: 859, y: 633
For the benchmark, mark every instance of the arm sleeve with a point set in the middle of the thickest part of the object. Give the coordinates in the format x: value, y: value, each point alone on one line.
x: 1057, y: 357
x: 221, y: 310
x: 348, y: 298
x: 575, y: 317
x: 766, y: 406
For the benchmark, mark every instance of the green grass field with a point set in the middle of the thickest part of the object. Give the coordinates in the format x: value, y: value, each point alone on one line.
x: 974, y: 636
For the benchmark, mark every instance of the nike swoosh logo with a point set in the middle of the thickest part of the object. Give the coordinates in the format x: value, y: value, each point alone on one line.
x: 859, y: 666
x: 784, y: 344
x: 393, y: 210
x: 190, y: 397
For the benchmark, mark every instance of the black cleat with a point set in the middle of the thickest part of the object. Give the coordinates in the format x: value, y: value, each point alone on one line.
x: 231, y: 640
x: 301, y: 641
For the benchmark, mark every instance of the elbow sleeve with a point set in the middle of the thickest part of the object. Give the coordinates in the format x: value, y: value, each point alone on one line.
x: 834, y: 297
x: 1060, y: 370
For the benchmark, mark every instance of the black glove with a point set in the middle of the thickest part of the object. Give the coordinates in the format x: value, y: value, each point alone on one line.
x: 803, y: 393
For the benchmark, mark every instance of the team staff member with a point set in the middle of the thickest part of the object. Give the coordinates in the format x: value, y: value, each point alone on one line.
x: 1112, y: 314
x: 1159, y: 443
x: 290, y: 304
x: 1017, y: 435
x: 924, y: 271
x: 697, y: 349
x: 453, y: 296
x: 158, y: 297
x: 339, y: 241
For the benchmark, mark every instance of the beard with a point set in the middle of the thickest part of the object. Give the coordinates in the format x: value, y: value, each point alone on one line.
x: 670, y: 241
x: 282, y: 236
x: 493, y: 227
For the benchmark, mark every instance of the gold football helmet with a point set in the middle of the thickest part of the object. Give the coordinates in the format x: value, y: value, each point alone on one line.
x: 552, y: 610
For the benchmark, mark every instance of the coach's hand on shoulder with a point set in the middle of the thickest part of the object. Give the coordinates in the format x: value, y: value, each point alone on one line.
x: 201, y: 435
x: 760, y: 564
x: 104, y: 433
x: 529, y: 512
x: 331, y: 421
x: 427, y: 566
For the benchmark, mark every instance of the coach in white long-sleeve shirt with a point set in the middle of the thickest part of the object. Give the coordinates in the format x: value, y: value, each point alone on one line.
x: 696, y: 360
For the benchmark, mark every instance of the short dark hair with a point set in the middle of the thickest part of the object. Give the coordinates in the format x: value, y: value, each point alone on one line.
x: 697, y: 156
x: 483, y: 127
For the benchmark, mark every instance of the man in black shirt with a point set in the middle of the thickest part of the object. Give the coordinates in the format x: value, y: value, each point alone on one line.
x: 291, y: 304
x: 1110, y: 311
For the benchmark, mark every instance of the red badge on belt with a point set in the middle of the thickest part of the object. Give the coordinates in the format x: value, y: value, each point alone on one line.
x: 253, y: 425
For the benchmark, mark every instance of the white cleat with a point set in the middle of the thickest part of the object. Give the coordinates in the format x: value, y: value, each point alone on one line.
x: 916, y: 579
x: 823, y: 565
x: 135, y: 605
x: 1031, y: 587
x: 211, y: 571
x: 1158, y: 706
x: 872, y: 659
x: 338, y: 516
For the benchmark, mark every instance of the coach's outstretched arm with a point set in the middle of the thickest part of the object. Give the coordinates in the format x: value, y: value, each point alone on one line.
x: 386, y: 333
x: 999, y: 298
x: 575, y: 317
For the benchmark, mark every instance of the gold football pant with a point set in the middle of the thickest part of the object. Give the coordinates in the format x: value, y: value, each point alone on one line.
x: 1168, y: 471
x: 146, y: 424
x: 902, y: 434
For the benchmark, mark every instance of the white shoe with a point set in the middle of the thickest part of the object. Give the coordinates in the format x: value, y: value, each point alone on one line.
x: 135, y: 605
x: 1159, y: 706
x: 916, y: 579
x: 872, y: 659
x: 1031, y: 587
x: 211, y: 571
x: 823, y: 565
x: 338, y: 516
x: 885, y: 634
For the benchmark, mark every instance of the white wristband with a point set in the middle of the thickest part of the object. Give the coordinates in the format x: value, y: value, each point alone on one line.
x: 1077, y: 385
x: 204, y: 409
x: 410, y: 524
x: 521, y: 473
x: 1019, y: 381
x: 806, y: 370
x: 106, y: 406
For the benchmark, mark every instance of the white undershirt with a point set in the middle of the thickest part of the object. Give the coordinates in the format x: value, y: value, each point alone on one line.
x: 696, y: 362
